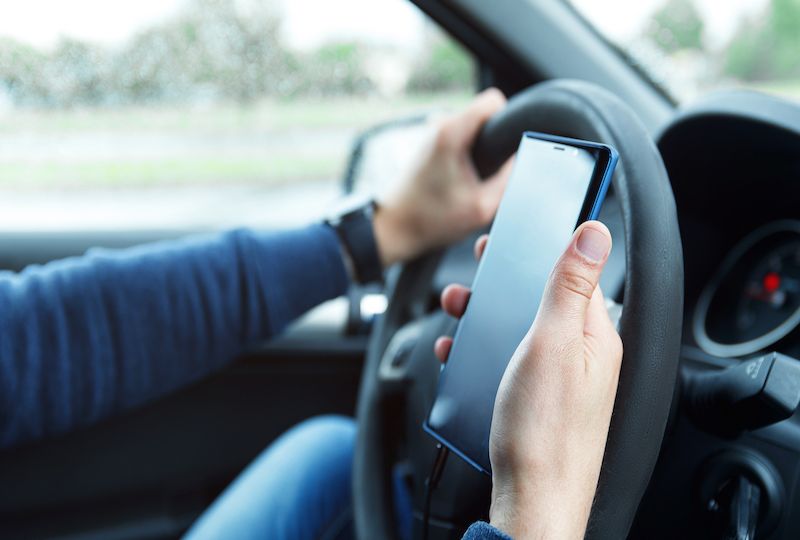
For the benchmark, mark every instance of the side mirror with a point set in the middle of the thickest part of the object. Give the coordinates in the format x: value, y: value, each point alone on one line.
x: 383, y: 155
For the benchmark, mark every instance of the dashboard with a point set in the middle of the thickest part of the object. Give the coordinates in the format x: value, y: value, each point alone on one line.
x: 734, y: 164
x: 752, y: 301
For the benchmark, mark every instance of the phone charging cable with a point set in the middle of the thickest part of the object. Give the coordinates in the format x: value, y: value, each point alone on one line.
x: 430, y: 485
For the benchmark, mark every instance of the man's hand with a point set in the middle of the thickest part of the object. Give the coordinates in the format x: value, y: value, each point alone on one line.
x: 444, y: 200
x: 553, y: 407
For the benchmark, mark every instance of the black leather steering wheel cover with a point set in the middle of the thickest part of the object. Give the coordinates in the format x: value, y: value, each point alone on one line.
x: 373, y: 510
x: 651, y: 318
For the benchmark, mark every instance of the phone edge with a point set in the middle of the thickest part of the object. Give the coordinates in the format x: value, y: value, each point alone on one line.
x: 605, y: 183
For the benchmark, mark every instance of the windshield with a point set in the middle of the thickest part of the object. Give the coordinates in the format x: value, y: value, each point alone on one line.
x: 690, y: 47
x: 194, y: 114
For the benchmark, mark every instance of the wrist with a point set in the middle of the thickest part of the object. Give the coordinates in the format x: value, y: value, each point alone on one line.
x: 535, y: 510
x: 396, y: 235
x: 354, y: 225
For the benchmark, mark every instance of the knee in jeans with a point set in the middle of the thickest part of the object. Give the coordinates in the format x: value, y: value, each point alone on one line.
x: 329, y: 430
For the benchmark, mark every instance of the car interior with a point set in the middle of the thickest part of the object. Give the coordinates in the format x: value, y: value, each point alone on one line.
x: 706, y: 268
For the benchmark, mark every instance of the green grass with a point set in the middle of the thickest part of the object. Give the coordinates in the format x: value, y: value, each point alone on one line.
x: 789, y: 89
x: 190, y: 171
x: 268, y: 115
x: 282, y: 159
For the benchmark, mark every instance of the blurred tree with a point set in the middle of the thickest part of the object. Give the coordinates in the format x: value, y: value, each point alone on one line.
x: 22, y: 72
x: 152, y: 66
x: 335, y: 69
x: 75, y: 74
x: 239, y: 49
x: 767, y: 47
x: 447, y: 67
x: 676, y: 26
x: 214, y: 49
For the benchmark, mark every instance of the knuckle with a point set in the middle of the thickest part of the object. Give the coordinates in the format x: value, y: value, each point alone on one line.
x: 552, y: 345
x: 573, y: 281
x: 560, y: 349
x: 483, y: 209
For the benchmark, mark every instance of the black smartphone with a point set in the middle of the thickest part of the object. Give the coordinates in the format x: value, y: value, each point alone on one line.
x: 557, y: 183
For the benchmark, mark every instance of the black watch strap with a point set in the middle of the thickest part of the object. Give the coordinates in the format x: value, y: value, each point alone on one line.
x: 357, y: 236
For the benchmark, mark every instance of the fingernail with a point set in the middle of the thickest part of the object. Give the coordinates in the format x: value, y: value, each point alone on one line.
x: 593, y: 244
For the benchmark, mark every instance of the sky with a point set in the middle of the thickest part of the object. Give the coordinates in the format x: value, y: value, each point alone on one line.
x: 310, y: 22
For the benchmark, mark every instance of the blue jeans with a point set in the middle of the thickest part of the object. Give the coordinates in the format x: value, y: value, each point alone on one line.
x: 299, y: 488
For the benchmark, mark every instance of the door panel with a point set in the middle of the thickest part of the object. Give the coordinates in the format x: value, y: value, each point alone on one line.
x: 150, y: 472
x: 20, y: 249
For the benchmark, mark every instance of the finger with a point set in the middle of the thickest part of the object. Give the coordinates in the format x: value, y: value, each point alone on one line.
x: 598, y: 323
x: 493, y: 187
x: 600, y: 333
x: 454, y: 299
x: 483, y: 107
x: 574, y: 279
x: 480, y: 246
x: 442, y: 348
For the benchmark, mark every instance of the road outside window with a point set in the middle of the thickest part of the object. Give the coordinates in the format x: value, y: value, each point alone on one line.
x: 203, y: 113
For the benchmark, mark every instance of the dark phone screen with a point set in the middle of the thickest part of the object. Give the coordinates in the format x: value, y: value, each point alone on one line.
x: 546, y: 196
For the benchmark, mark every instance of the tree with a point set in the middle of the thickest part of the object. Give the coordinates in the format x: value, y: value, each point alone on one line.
x: 767, y: 46
x: 226, y: 49
x: 76, y: 74
x: 337, y: 68
x: 213, y: 47
x: 676, y: 26
x: 22, y: 72
x: 446, y: 67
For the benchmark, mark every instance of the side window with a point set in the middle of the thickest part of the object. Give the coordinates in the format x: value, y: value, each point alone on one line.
x: 203, y: 113
x: 691, y: 47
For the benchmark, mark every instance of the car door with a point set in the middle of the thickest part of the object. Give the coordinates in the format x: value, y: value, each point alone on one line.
x: 122, y: 124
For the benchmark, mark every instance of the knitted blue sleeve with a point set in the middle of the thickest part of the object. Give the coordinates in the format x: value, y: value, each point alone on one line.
x: 86, y: 337
x: 480, y: 530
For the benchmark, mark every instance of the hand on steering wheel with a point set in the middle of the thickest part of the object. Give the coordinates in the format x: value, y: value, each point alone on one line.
x: 444, y: 199
x: 553, y: 407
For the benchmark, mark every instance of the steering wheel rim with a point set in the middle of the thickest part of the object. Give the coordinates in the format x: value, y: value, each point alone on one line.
x: 650, y: 325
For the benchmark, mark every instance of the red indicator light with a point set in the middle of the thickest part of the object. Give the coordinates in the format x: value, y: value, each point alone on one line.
x: 772, y: 282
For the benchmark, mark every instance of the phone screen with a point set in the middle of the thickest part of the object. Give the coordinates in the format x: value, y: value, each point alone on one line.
x: 553, y: 187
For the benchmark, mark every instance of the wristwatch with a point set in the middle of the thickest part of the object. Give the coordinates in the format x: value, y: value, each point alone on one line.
x: 353, y: 225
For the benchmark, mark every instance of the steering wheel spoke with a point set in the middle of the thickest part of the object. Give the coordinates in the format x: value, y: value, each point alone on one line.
x: 396, y: 360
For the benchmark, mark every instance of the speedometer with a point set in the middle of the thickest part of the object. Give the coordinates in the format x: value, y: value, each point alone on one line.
x: 754, y: 298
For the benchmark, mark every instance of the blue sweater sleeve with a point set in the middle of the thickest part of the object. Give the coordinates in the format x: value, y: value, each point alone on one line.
x: 83, y: 338
x: 480, y: 530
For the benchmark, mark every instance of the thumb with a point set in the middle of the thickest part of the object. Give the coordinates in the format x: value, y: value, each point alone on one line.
x: 575, y: 277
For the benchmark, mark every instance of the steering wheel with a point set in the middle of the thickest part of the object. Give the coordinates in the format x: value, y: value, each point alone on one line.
x: 400, y: 373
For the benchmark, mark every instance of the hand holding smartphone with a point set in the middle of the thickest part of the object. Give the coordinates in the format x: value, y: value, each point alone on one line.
x: 557, y: 184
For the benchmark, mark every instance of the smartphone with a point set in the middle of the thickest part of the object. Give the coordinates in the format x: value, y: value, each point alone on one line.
x: 556, y: 184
